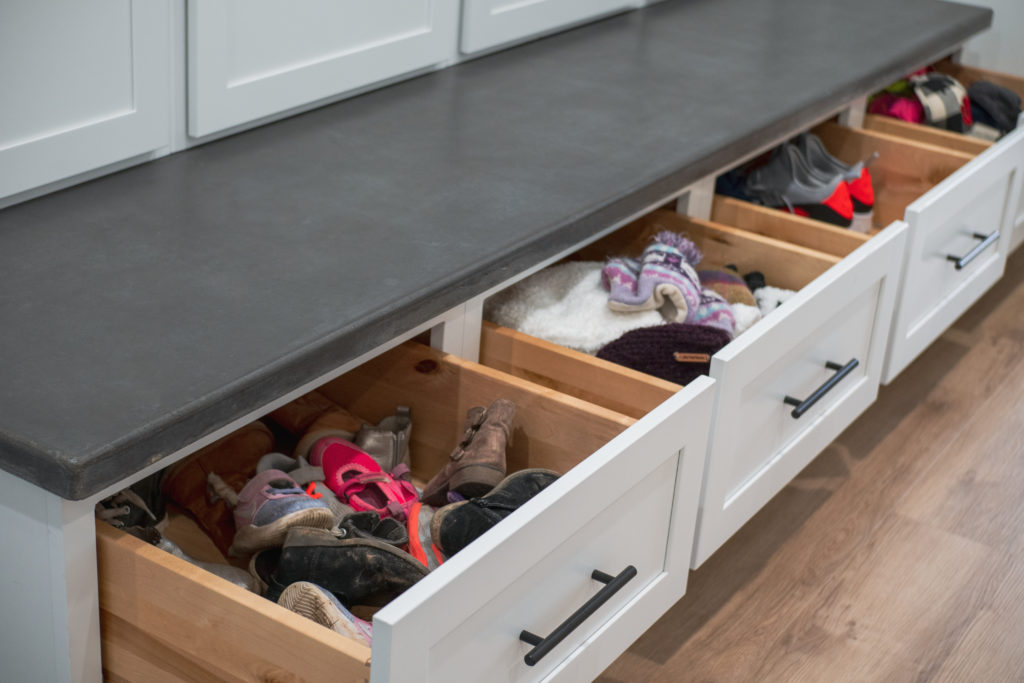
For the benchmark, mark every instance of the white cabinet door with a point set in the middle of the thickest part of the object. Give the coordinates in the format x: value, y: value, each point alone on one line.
x: 253, y: 58
x: 82, y: 85
x: 488, y: 23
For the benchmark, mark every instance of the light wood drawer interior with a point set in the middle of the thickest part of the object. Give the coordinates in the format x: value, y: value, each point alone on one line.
x: 903, y: 170
x: 969, y: 74
x: 165, y: 619
x: 786, y: 265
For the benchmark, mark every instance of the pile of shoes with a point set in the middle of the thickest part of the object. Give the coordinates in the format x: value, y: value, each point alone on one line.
x: 337, y: 525
x: 803, y: 178
x: 471, y: 492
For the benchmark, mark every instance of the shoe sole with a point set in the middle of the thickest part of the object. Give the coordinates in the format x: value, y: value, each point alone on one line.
x: 252, y: 538
x: 310, y: 601
x: 863, y: 221
x: 826, y: 214
x: 474, y: 481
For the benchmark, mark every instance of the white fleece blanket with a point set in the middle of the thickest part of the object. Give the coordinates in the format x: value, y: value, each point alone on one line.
x: 566, y: 304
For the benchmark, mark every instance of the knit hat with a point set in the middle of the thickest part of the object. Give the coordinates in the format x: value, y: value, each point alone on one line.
x: 676, y: 352
x: 728, y: 283
x: 663, y: 275
x: 897, y: 107
x: 944, y: 100
x: 714, y: 311
x: 1002, y: 106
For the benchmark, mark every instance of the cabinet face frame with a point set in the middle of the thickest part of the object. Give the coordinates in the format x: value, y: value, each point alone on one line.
x: 217, y: 100
x: 81, y: 145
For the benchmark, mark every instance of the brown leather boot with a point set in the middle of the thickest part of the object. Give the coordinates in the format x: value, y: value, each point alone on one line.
x: 336, y: 422
x: 477, y: 464
x: 297, y: 416
x: 233, y: 459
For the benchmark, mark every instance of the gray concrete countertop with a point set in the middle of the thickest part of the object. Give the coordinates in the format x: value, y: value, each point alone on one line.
x: 143, y: 310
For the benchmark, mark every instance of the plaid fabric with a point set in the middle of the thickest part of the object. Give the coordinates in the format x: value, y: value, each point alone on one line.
x: 944, y: 101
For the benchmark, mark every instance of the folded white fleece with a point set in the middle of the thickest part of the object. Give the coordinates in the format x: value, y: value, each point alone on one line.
x: 745, y: 316
x: 770, y: 298
x: 566, y: 304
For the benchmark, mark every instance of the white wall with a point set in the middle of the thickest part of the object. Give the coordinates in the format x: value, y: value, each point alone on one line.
x: 1001, y: 48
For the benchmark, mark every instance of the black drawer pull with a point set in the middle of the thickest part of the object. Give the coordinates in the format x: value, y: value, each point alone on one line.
x: 805, y: 405
x: 542, y: 646
x: 986, y: 242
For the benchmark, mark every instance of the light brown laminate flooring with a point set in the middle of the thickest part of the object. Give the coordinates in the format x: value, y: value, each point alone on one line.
x: 896, y: 555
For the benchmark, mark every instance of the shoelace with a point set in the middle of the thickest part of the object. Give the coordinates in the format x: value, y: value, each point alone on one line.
x: 220, y: 490
x: 493, y: 505
x: 127, y: 498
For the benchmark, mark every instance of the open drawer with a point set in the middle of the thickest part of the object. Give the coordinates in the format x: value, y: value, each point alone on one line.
x: 839, y: 315
x: 164, y: 619
x: 911, y: 131
x: 960, y: 210
x: 957, y: 208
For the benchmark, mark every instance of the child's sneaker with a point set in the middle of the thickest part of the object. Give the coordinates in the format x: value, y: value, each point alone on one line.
x: 358, y: 571
x: 267, y: 507
x: 787, y: 183
x: 308, y: 476
x: 856, y: 176
x: 421, y: 544
x: 358, y: 480
x: 233, y: 460
x: 319, y: 605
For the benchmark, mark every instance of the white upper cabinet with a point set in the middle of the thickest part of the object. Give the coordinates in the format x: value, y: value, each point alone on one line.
x: 83, y: 85
x: 248, y: 59
x: 489, y: 23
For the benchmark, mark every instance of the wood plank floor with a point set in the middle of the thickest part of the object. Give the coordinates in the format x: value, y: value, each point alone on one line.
x: 897, y: 555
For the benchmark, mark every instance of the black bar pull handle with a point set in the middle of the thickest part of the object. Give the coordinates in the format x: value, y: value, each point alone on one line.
x: 612, y: 585
x: 986, y: 242
x: 805, y: 405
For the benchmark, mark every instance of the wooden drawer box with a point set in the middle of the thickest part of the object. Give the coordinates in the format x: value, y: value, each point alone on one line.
x: 960, y: 210
x: 164, y: 619
x: 840, y: 314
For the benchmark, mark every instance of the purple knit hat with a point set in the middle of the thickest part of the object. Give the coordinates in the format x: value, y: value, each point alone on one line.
x: 677, y: 352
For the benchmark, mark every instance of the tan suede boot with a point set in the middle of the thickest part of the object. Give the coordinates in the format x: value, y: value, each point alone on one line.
x: 234, y: 460
x: 477, y: 464
x: 297, y: 416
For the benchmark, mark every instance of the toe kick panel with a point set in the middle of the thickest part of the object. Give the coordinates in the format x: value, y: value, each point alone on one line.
x: 792, y: 383
x: 630, y: 505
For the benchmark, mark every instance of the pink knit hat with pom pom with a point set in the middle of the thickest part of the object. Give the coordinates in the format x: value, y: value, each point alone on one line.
x: 664, y: 274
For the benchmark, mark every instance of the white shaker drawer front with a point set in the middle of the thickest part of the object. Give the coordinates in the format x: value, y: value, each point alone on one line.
x: 793, y: 382
x: 490, y: 23
x: 630, y: 506
x: 960, y: 233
